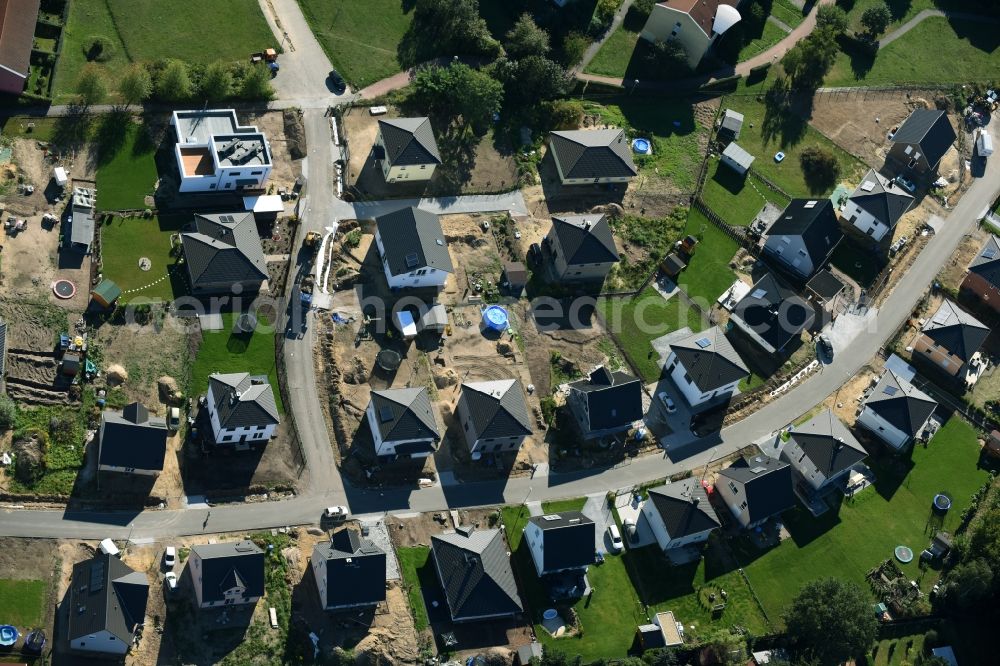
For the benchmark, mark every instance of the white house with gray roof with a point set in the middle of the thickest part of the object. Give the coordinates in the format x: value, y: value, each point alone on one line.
x: 705, y: 366
x: 755, y: 489
x: 227, y: 574
x: 876, y: 205
x: 582, y: 247
x: 349, y: 571
x: 408, y: 149
x: 215, y: 153
x: 592, y: 156
x: 402, y: 423
x: 413, y: 249
x: 493, y: 416
x: 679, y: 514
x: 822, y: 453
x: 107, y: 606
x: 896, y: 411
x: 223, y: 251
x: 242, y: 409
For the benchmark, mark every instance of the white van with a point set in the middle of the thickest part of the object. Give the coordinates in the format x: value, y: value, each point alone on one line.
x: 984, y: 144
x: 616, y: 538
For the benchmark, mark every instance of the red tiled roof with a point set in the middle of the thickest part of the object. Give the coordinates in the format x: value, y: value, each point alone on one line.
x: 17, y: 32
x: 702, y: 11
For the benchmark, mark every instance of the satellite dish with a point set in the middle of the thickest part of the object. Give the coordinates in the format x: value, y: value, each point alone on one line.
x: 725, y: 18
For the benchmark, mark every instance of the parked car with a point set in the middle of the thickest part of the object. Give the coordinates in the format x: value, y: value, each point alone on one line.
x: 906, y: 184
x: 170, y: 557
x: 337, y: 82
x: 170, y: 580
x: 630, y: 530
x: 826, y: 346
x: 667, y: 401
x: 337, y: 513
x: 616, y: 538
x: 174, y: 419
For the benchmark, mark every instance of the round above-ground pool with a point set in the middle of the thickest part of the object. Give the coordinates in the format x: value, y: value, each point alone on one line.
x: 642, y: 146
x: 495, y: 318
x: 8, y: 635
x: 550, y: 614
x: 904, y: 554
x: 942, y: 502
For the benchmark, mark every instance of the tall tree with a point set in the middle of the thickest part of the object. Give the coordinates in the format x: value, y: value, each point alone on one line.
x: 459, y: 90
x: 256, y: 83
x: 450, y: 27
x: 831, y: 620
x: 531, y: 80
x: 526, y: 38
x: 833, y: 17
x: 809, y: 60
x: 174, y: 82
x: 217, y: 82
x: 135, y: 86
x: 876, y: 19
x: 91, y: 86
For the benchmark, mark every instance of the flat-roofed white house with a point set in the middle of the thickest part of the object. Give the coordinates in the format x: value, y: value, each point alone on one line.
x: 242, y: 409
x: 694, y: 23
x: 413, y: 249
x: 409, y: 151
x: 216, y: 154
x: 705, y: 366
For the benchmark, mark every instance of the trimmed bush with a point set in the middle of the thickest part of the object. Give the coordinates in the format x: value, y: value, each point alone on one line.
x: 98, y: 49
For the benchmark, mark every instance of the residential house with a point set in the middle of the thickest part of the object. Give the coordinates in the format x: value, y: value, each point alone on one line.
x: 772, y: 315
x: 493, y: 415
x: 896, y: 411
x: 132, y: 442
x: 983, y: 278
x: 413, y: 249
x: 696, y: 24
x: 582, y: 248
x: 349, y: 571
x: 804, y: 237
x: 17, y: 30
x: 81, y: 218
x: 227, y: 574
x: 950, y: 341
x: 402, y: 423
x: 223, y: 253
x: 560, y: 542
x: 705, y: 367
x: 876, y: 205
x: 822, y: 453
x: 737, y: 159
x: 921, y: 141
x: 592, y: 156
x: 679, y: 514
x: 215, y: 153
x: 605, y: 403
x: 242, y: 409
x: 474, y: 570
x: 408, y: 149
x: 756, y: 489
x: 730, y: 126
x: 107, y: 606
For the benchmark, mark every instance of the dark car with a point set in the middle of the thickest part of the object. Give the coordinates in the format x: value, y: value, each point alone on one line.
x: 826, y: 346
x: 337, y: 82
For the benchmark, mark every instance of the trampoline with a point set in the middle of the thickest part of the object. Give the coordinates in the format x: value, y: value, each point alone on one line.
x: 8, y: 635
x: 904, y: 554
x: 495, y: 318
x: 64, y: 289
x: 389, y: 360
x: 942, y: 502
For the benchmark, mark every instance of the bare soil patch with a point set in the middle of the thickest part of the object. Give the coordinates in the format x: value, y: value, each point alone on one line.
x: 955, y: 269
x: 286, y: 168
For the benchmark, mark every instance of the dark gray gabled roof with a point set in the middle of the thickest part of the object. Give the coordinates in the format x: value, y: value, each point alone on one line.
x: 224, y: 247
x: 766, y: 483
x: 774, y: 311
x: 354, y: 569
x: 684, y: 508
x: 132, y: 439
x: 585, y: 239
x: 106, y: 594
x: 899, y: 402
x: 409, y: 141
x: 930, y: 130
x: 404, y: 413
x: 614, y: 399
x: 243, y: 400
x: 987, y: 262
x: 956, y: 330
x: 497, y: 408
x: 883, y: 198
x: 475, y: 573
x: 710, y: 359
x: 567, y: 538
x: 821, y: 448
x: 815, y: 221
x: 412, y: 239
x: 227, y: 565
x: 593, y: 153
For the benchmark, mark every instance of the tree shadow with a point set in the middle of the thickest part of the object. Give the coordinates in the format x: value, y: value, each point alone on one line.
x: 784, y: 115
x: 805, y: 528
x: 72, y: 129
x: 984, y: 36
x: 111, y: 134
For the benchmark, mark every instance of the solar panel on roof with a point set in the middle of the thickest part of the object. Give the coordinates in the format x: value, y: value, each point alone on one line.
x: 989, y: 253
x: 890, y: 390
x: 96, y: 576
x: 385, y: 413
x: 704, y: 343
x: 758, y: 293
x: 411, y: 260
x: 868, y: 186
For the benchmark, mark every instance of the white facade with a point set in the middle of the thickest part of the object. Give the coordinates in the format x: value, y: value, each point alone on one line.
x: 663, y: 538
x: 536, y: 544
x: 253, y: 434
x: 409, y: 172
x: 388, y: 447
x: 864, y: 221
x: 103, y: 642
x: 215, y: 153
x: 666, y: 23
x: 694, y: 395
x: 734, y: 495
x: 882, y: 429
x: 425, y: 276
x: 584, y: 181
x: 129, y: 470
x: 319, y: 573
x: 232, y: 597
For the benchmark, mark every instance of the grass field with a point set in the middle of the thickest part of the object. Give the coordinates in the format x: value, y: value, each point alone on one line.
x: 615, y: 54
x: 22, y: 602
x: 734, y: 198
x: 138, y: 30
x: 417, y: 570
x: 564, y: 505
x: 126, y: 168
x: 849, y: 542
x: 708, y: 274
x: 65, y: 428
x: 125, y: 240
x: 770, y: 36
x: 787, y: 13
x: 360, y: 38
x: 639, y: 320
x: 224, y: 351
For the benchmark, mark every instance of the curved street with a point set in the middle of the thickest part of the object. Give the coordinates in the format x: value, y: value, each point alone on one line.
x: 322, y: 485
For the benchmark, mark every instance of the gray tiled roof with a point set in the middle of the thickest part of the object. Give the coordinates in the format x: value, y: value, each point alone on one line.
x: 931, y: 130
x: 774, y: 311
x: 409, y: 141
x: 224, y: 565
x: 585, y: 239
x: 710, y: 359
x: 987, y: 262
x: 354, y: 569
x: 766, y: 483
x: 822, y: 448
x: 132, y: 439
x: 568, y: 540
x: 614, y: 399
x: 899, y: 402
x: 684, y: 508
x: 416, y: 234
x: 497, y: 408
x: 407, y: 414
x: 106, y: 594
x: 475, y: 573
x: 243, y: 400
x: 815, y: 221
x: 881, y: 197
x: 593, y: 153
x: 956, y: 330
x: 224, y: 247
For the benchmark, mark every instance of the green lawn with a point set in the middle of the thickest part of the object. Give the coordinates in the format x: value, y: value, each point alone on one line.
x: 22, y: 602
x: 708, y: 274
x: 677, y: 152
x: 640, y: 319
x: 224, y: 351
x: 615, y: 54
x: 126, y: 168
x: 125, y: 240
x: 787, y: 13
x: 360, y: 38
x: 770, y: 36
x: 141, y: 30
x: 901, y: 10
x: 417, y: 570
x: 935, y: 51
x: 734, y: 198
x: 849, y: 542
x: 897, y: 651
x: 564, y: 505
x: 63, y: 458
